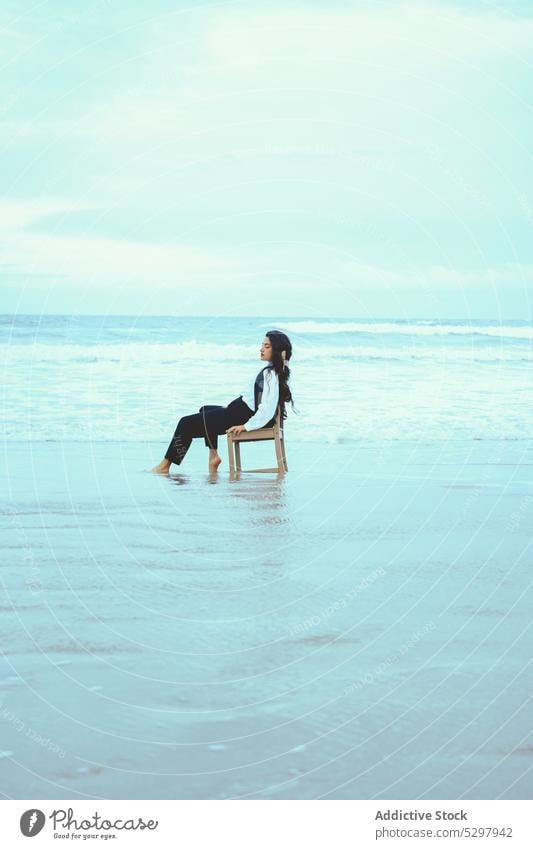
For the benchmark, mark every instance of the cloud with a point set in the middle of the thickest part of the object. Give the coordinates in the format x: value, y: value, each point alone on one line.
x: 402, y: 79
x: 437, y: 276
x: 340, y: 64
x: 91, y: 259
x: 16, y: 214
x: 98, y: 261
x: 206, y: 139
x: 10, y: 33
x: 410, y: 32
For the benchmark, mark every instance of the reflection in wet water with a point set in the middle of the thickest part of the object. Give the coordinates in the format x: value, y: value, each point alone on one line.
x: 244, y: 502
x: 179, y: 480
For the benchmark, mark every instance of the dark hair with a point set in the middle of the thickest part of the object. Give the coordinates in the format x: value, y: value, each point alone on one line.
x: 280, y: 342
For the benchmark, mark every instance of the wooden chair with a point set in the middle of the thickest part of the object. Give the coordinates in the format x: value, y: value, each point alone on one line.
x: 275, y: 432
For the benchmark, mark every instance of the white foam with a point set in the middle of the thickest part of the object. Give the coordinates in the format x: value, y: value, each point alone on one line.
x: 422, y: 329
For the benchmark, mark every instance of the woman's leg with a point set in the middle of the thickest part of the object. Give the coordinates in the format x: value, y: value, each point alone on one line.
x: 179, y: 445
x: 213, y: 417
x: 208, y: 422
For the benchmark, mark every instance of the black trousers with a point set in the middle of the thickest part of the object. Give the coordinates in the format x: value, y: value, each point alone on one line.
x: 210, y: 422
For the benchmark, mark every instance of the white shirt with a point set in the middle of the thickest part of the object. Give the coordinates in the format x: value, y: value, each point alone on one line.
x: 268, y: 403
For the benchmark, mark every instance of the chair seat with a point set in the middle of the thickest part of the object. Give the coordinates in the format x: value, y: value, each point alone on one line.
x: 255, y: 435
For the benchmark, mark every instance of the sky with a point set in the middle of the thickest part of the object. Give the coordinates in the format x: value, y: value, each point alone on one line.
x: 328, y: 158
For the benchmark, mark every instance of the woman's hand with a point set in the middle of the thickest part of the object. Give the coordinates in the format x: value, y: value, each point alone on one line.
x: 235, y: 429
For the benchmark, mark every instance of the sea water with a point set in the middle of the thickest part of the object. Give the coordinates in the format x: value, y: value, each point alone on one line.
x: 130, y: 378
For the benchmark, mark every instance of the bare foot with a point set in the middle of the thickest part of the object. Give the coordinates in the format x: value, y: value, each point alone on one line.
x: 214, y: 461
x: 162, y: 468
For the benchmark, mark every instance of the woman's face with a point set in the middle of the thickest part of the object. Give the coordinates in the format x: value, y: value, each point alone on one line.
x: 266, y: 349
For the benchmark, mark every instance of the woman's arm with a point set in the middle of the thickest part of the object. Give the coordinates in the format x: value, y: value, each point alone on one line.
x: 269, y: 402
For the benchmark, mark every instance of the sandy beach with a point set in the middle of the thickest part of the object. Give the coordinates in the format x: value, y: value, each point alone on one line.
x: 358, y: 628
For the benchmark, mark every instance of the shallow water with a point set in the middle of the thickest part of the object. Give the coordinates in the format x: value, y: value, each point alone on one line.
x: 358, y: 628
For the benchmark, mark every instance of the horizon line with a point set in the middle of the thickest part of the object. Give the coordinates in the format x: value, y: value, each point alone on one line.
x: 289, y: 318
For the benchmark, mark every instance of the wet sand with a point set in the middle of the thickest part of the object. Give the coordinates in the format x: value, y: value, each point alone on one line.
x: 358, y: 628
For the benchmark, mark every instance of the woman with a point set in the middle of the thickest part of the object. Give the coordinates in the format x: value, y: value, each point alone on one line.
x: 256, y: 408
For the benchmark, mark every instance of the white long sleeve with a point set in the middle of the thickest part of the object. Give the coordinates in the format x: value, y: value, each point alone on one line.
x: 269, y: 401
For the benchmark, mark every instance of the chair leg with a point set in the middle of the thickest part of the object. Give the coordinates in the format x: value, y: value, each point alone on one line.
x: 284, y: 457
x: 234, y: 456
x: 231, y: 455
x: 281, y: 465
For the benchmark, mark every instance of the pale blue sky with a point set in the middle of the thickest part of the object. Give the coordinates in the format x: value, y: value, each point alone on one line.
x: 344, y: 159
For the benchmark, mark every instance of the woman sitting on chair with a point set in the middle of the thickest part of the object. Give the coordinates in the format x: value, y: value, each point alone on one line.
x: 256, y: 408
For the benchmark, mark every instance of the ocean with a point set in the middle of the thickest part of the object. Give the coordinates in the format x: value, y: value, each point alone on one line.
x: 359, y: 628
x: 129, y: 378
